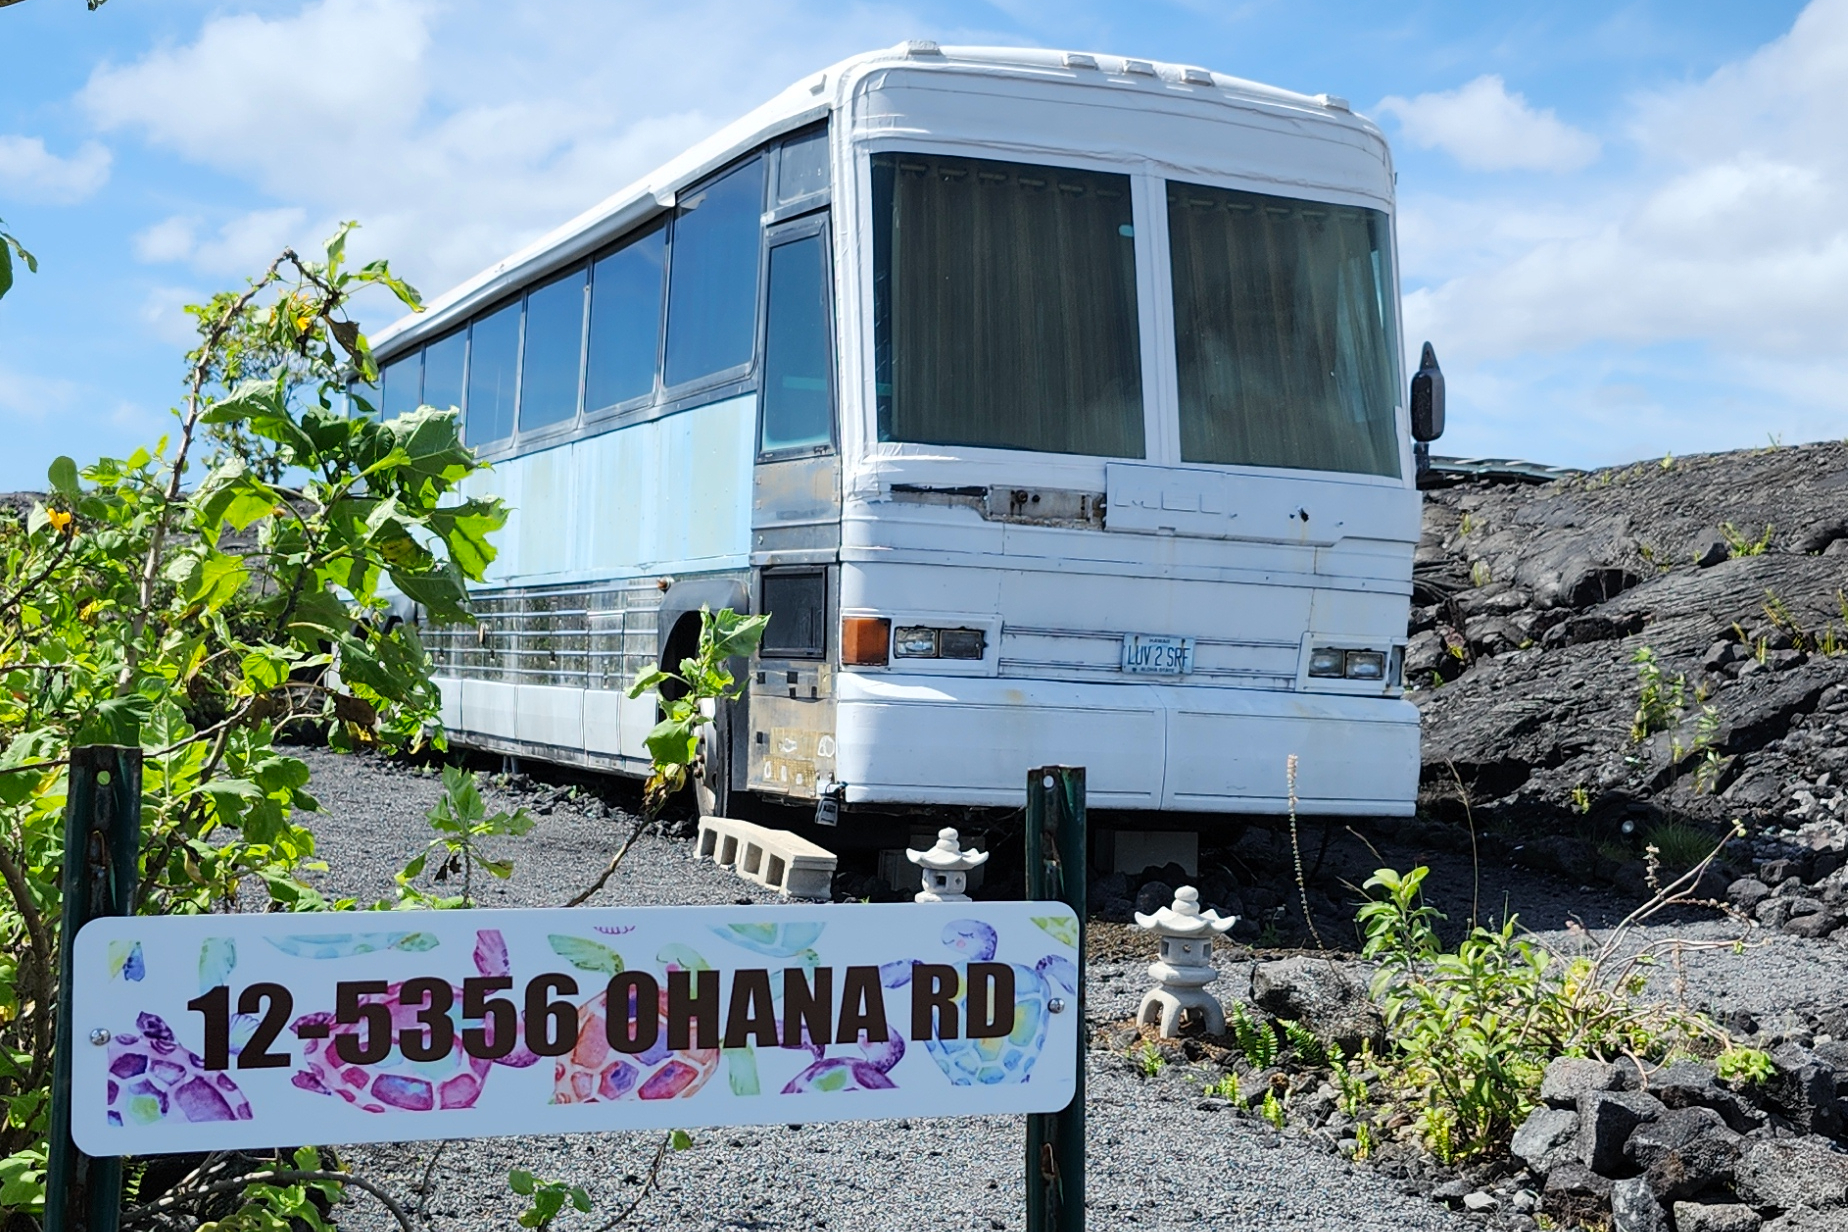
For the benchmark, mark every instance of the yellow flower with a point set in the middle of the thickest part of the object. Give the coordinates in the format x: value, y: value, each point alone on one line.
x: 60, y: 520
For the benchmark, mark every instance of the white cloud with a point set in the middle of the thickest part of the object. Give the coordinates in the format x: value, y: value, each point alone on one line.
x: 1486, y: 128
x: 1718, y: 268
x: 455, y: 130
x: 30, y: 172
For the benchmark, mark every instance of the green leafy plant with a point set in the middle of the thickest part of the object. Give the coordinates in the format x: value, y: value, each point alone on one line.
x: 1472, y: 1029
x: 461, y: 821
x: 1660, y: 699
x: 10, y: 249
x: 1255, y: 1039
x: 1303, y: 1042
x: 1581, y: 799
x: 198, y: 614
x: 1678, y: 845
x: 688, y: 698
x: 1738, y: 544
x: 1479, y: 575
x: 289, y: 1202
x: 1363, y: 1141
x: 1749, y: 1066
x: 545, y: 1199
x: 1151, y: 1061
x: 1272, y: 1109
x: 1227, y: 1088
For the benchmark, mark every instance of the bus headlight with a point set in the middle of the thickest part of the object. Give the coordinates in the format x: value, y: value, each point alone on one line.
x: 1326, y: 661
x: 925, y: 642
x: 1366, y: 665
x: 1333, y: 663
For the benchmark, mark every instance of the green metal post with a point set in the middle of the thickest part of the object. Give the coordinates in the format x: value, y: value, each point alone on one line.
x: 1056, y: 869
x: 102, y: 841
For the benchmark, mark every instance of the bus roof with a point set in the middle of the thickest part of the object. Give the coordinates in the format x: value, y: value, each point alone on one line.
x: 807, y: 101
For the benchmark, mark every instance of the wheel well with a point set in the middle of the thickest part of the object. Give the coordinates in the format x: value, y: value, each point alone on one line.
x: 682, y: 643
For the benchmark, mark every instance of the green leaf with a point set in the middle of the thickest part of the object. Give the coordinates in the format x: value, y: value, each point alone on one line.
x: 63, y: 476
x: 648, y: 678
x: 680, y: 1140
x: 520, y: 1181
x: 264, y: 669
x: 672, y: 743
x: 115, y: 721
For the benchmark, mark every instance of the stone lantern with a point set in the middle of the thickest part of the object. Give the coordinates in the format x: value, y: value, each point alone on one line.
x: 946, y: 868
x: 1185, y: 966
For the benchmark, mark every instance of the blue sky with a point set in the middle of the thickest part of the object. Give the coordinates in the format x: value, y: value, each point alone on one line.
x: 1624, y: 226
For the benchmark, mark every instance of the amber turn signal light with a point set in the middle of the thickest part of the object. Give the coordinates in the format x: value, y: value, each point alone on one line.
x: 866, y: 641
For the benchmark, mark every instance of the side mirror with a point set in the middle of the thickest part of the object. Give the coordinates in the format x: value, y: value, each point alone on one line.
x: 1428, y: 398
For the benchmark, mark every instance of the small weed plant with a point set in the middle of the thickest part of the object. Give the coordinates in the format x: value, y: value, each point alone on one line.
x: 545, y: 1199
x: 1660, y: 699
x: 1272, y: 1110
x: 1226, y: 1088
x: 1750, y: 1066
x: 1738, y: 544
x: 1473, y: 1028
x: 1255, y: 1039
x: 1151, y: 1061
x: 461, y: 821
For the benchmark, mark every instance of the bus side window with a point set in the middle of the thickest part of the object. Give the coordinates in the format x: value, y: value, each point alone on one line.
x: 712, y: 276
x: 798, y: 355
x: 554, y: 348
x: 494, y: 358
x: 625, y: 321
x: 401, y: 382
x: 442, y: 383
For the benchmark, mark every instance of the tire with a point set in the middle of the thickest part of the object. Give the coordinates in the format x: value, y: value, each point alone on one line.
x: 711, y: 776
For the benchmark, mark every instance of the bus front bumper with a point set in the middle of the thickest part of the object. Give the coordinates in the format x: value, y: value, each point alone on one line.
x: 915, y: 739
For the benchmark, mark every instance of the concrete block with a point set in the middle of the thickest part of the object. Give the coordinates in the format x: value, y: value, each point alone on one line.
x: 775, y: 859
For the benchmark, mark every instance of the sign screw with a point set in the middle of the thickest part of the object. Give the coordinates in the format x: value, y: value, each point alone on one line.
x: 99, y: 1037
x: 1056, y: 1005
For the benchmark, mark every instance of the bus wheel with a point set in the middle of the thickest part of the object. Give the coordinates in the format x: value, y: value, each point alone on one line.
x: 712, y: 764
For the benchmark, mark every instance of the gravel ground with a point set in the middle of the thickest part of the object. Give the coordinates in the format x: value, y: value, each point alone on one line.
x: 1231, y: 1172
x: 1160, y: 1156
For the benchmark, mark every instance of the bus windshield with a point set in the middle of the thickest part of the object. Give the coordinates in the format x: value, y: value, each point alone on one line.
x: 1283, y: 331
x: 1004, y: 306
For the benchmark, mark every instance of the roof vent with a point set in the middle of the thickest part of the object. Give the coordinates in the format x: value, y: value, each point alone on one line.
x: 1196, y: 77
x: 1334, y: 102
x: 1077, y: 59
x: 922, y: 47
x: 1141, y: 68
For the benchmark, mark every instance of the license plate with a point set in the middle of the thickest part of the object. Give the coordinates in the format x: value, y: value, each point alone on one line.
x: 1157, y: 656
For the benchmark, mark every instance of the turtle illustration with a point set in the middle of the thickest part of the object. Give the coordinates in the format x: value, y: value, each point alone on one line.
x: 452, y: 1081
x: 151, y: 1076
x: 345, y: 945
x: 594, y: 1072
x: 1003, y: 1059
x: 868, y: 1072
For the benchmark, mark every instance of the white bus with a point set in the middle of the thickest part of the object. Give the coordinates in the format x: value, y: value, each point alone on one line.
x: 1051, y: 403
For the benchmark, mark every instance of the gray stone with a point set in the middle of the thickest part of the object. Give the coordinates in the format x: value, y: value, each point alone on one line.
x: 1793, y: 1172
x: 1546, y: 1139
x: 1153, y: 896
x: 1452, y: 1190
x: 1567, y: 1078
x: 1689, y: 1084
x: 1834, y: 1054
x: 1606, y: 1121
x: 1748, y: 892
x: 1803, y: 1089
x: 1575, y: 1195
x: 1480, y: 1202
x: 1816, y: 925
x: 1708, y: 551
x: 1773, y: 912
x: 1715, y: 1217
x: 1685, y: 1152
x: 1804, y: 1220
x: 1634, y: 1207
x: 1323, y: 996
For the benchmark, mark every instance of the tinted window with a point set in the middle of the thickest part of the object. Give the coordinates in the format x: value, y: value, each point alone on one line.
x: 494, y: 353
x: 802, y: 166
x: 798, y: 608
x: 798, y: 357
x: 1004, y: 306
x: 1284, y: 332
x: 554, y: 344
x: 442, y: 383
x: 712, y: 278
x: 402, y: 382
x: 625, y: 321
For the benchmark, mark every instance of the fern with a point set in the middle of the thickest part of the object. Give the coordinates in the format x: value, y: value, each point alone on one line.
x: 1255, y: 1039
x: 1303, y: 1042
